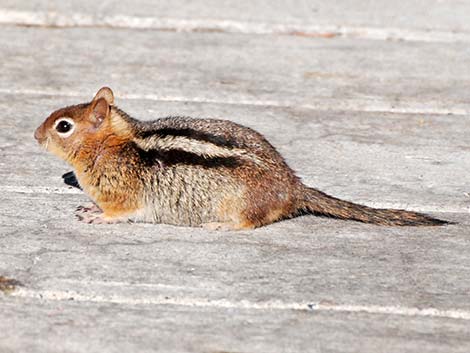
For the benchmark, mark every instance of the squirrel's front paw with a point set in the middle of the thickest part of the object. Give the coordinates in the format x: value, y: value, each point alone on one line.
x: 95, y: 218
x: 87, y: 216
x: 91, y: 208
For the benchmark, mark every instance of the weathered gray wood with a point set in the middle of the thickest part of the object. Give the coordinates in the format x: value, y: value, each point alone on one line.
x: 234, y: 68
x: 104, y: 327
x: 374, y: 121
x: 300, y: 261
x: 422, y: 19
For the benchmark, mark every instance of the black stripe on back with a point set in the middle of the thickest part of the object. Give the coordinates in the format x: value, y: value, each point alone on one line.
x: 174, y: 157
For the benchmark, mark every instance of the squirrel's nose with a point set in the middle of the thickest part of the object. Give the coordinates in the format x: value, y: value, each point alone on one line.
x: 37, y: 133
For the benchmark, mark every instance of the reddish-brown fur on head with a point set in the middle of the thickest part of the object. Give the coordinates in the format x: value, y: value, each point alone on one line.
x: 86, y: 123
x: 93, y: 142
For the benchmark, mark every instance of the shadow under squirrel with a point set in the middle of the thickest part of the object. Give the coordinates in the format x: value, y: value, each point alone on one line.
x: 189, y: 172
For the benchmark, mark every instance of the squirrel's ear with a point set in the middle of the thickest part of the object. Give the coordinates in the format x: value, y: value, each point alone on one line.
x: 106, y: 93
x: 99, y: 112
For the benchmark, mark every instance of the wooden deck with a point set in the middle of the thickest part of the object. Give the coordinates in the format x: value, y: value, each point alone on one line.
x: 368, y: 101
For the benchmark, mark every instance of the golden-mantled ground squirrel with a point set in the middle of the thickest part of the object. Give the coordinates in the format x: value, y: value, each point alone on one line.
x: 189, y: 172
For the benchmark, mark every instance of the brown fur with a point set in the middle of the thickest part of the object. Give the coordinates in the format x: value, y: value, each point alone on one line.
x: 189, y: 172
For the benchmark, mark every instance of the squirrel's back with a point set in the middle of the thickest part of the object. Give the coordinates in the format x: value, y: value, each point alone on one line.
x: 215, y: 171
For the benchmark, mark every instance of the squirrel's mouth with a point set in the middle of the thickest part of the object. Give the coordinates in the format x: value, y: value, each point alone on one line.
x: 43, y: 141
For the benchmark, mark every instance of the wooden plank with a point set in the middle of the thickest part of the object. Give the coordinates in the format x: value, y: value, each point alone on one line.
x: 417, y: 20
x: 323, y: 74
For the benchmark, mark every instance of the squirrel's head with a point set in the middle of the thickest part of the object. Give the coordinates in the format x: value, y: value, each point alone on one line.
x: 68, y: 129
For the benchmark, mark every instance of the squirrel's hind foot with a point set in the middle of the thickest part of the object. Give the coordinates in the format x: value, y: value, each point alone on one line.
x: 226, y: 226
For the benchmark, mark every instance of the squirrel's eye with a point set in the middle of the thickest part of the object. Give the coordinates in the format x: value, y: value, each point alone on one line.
x: 64, y: 127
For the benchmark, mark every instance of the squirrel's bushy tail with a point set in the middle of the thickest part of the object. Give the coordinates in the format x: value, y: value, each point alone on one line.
x: 317, y: 202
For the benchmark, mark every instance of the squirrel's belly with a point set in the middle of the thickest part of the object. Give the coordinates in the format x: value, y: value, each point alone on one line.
x: 190, y: 197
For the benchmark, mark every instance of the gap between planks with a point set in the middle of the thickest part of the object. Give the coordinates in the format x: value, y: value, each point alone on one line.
x: 55, y: 19
x: 60, y: 295
x: 396, y: 205
x: 372, y: 105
